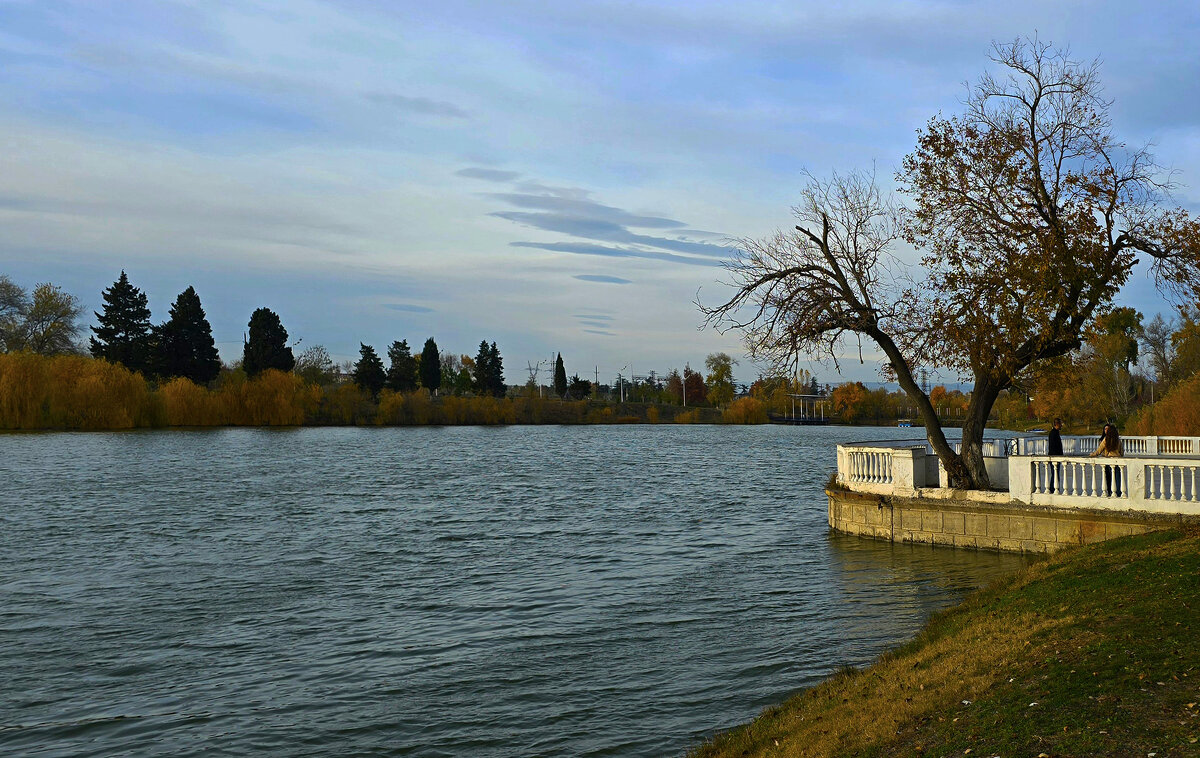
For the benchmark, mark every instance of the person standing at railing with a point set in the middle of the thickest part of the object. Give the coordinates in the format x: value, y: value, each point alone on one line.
x: 1110, y: 447
x: 1054, y: 447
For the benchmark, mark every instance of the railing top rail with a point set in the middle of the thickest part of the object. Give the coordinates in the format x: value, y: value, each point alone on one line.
x: 1096, y: 436
x: 884, y: 443
x: 1158, y: 460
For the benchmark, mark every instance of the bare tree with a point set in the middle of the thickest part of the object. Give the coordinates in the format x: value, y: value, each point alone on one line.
x: 1156, y: 338
x: 807, y: 292
x: 1031, y: 216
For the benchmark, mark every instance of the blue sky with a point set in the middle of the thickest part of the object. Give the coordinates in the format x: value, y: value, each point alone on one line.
x: 551, y: 176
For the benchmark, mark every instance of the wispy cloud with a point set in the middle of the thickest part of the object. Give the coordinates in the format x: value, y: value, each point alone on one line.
x: 407, y: 308
x: 602, y: 279
x: 601, y: 332
x: 587, y: 248
x: 419, y: 105
x: 488, y: 174
x: 536, y: 187
x: 579, y: 208
x: 608, y: 231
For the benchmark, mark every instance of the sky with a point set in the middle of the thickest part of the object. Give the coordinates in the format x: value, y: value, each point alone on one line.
x: 552, y: 176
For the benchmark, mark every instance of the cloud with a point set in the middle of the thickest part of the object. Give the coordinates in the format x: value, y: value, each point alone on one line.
x: 406, y: 308
x: 420, y: 105
x: 577, y: 193
x: 600, y: 332
x: 609, y: 231
x: 586, y: 248
x: 488, y: 174
x: 603, y: 279
x: 580, y: 208
x: 576, y: 226
x: 592, y: 316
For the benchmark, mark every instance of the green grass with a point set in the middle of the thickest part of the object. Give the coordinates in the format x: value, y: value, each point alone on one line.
x: 1094, y: 651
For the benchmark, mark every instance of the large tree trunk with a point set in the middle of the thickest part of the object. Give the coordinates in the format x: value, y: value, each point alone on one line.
x: 974, y: 425
x: 960, y: 475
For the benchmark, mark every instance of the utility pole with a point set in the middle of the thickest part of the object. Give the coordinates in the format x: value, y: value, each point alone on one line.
x: 534, y: 370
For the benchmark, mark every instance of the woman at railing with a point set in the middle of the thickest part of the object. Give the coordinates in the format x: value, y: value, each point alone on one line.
x: 1110, y: 447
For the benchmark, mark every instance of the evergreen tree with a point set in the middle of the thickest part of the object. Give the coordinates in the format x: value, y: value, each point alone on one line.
x: 431, y: 366
x: 122, y: 333
x: 266, y: 346
x: 184, y: 344
x: 368, y: 372
x: 496, y: 372
x: 579, y: 388
x: 560, y: 377
x: 482, y: 383
x: 402, y: 373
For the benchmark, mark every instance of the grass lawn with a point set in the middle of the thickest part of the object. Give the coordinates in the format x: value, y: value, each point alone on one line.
x: 1094, y: 651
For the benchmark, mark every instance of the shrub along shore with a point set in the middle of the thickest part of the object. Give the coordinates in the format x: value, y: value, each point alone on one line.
x: 79, y: 393
x: 1089, y: 652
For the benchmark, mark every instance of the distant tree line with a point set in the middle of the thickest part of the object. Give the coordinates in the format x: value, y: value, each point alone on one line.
x: 183, y: 347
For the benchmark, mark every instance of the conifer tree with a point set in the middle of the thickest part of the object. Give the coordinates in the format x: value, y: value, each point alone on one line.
x: 560, y: 377
x: 482, y: 384
x: 402, y: 373
x: 496, y: 372
x: 185, y: 344
x: 579, y: 388
x: 368, y: 372
x: 431, y: 366
x: 266, y: 347
x: 122, y: 333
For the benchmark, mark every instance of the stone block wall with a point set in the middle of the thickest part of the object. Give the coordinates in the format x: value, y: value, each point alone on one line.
x: 962, y: 522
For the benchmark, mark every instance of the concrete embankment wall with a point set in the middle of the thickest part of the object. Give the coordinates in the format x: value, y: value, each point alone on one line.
x: 983, y: 520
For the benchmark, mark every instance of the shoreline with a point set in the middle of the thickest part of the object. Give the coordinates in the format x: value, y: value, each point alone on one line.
x: 1074, y: 655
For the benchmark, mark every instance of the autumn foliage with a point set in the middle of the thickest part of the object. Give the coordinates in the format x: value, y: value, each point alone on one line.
x: 745, y: 410
x: 71, y: 392
x: 76, y: 392
x: 1176, y: 414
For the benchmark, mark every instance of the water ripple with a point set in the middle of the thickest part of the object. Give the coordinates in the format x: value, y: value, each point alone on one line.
x: 432, y: 592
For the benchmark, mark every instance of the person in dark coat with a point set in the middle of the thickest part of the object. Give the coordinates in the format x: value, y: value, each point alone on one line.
x: 1054, y: 447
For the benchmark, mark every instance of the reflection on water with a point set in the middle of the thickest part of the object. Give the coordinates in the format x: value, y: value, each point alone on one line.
x: 429, y: 592
x: 919, y: 578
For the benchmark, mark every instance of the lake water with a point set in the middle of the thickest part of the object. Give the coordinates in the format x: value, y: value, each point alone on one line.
x: 520, y: 591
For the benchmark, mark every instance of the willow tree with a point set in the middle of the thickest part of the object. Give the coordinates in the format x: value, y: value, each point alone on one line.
x: 1029, y: 214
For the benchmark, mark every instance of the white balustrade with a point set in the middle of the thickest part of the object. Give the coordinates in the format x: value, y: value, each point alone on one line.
x: 1137, y: 483
x: 1144, y: 447
x: 1164, y: 479
x: 1079, y: 478
x: 881, y: 469
x: 871, y: 466
x: 1177, y: 445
